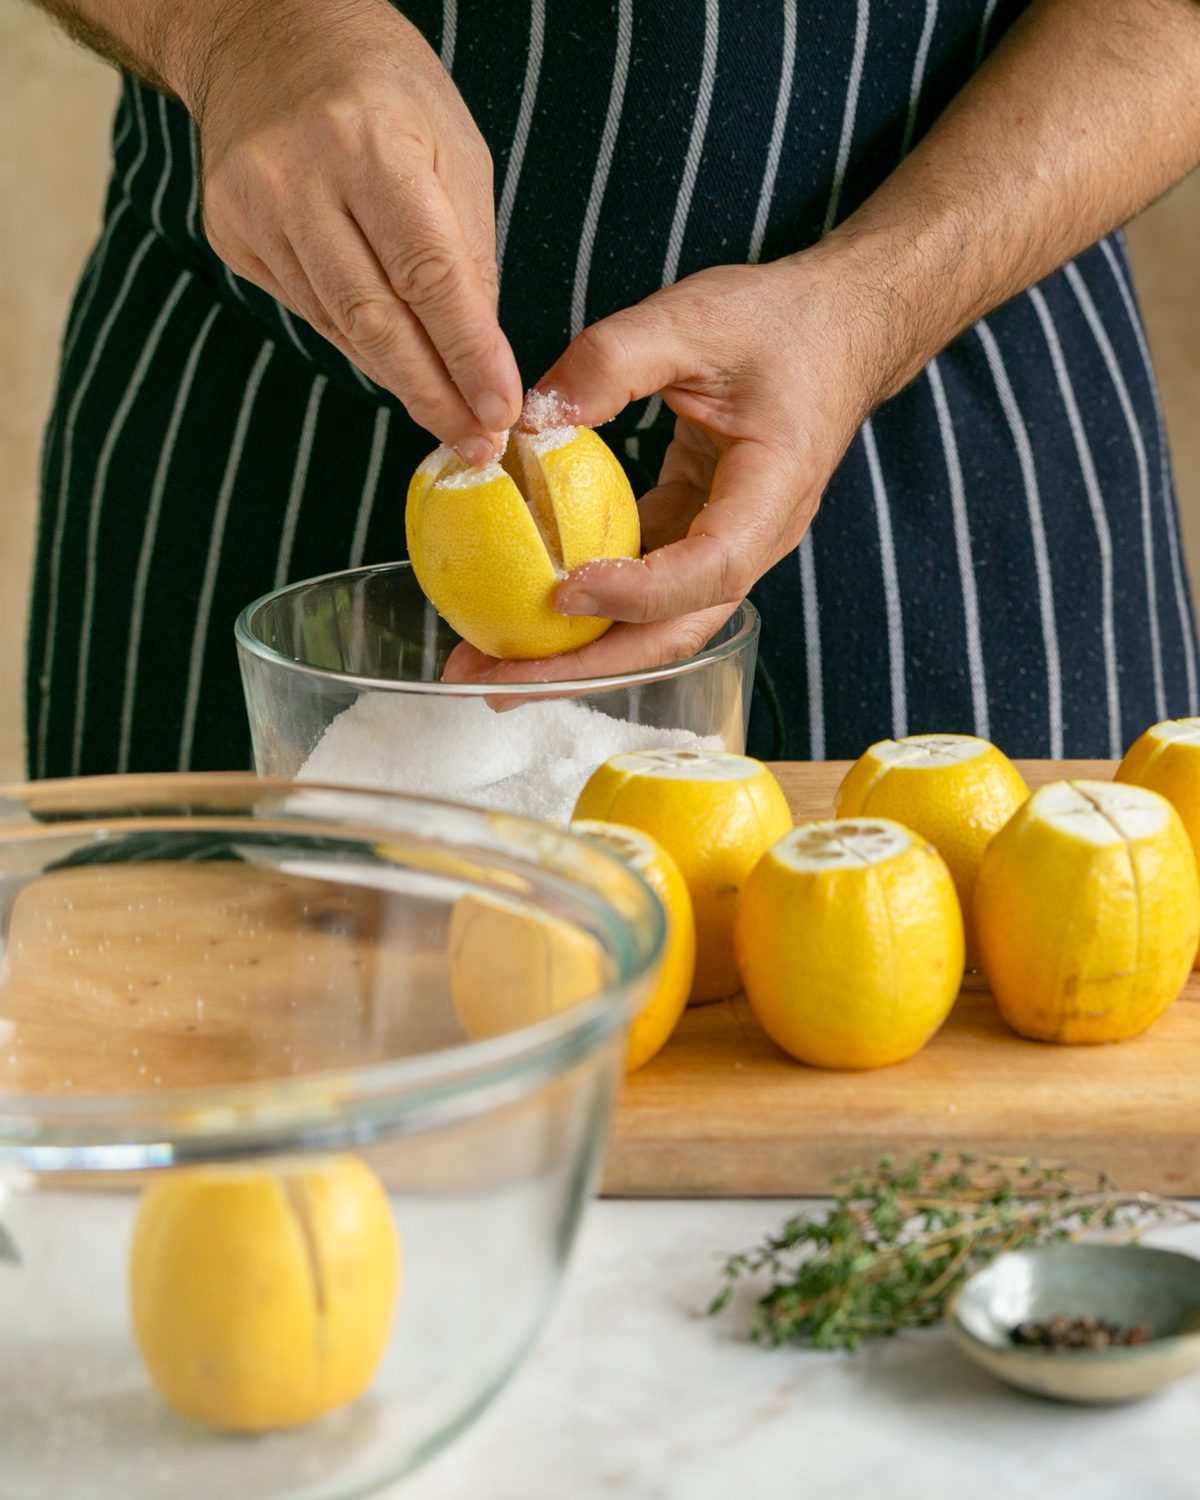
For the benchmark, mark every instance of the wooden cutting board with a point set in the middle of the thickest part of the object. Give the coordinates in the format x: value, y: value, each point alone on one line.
x: 722, y: 1112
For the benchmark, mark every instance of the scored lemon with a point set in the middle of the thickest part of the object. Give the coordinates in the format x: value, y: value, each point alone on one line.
x: 509, y: 966
x: 264, y: 1299
x: 953, y: 789
x: 489, y: 545
x: 715, y: 813
x: 850, y: 943
x: 662, y: 1008
x: 1167, y: 760
x: 1087, y: 908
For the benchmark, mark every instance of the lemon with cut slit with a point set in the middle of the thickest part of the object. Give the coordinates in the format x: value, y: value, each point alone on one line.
x: 666, y: 1002
x: 1087, y: 908
x: 850, y: 943
x: 489, y: 545
x: 956, y: 790
x: 1167, y: 760
x: 714, y: 813
x: 263, y: 1299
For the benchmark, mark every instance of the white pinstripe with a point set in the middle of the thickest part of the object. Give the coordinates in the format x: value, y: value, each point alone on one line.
x: 213, y: 559
x: 516, y: 156
x: 60, y: 518
x: 126, y: 127
x: 1099, y: 518
x: 861, y: 26
x: 891, y: 585
x: 143, y: 141
x: 193, y: 210
x: 918, y: 74
x: 96, y: 272
x: 449, y: 33
x: 165, y: 176
x: 96, y: 506
x: 291, y: 515
x: 608, y: 142
x: 812, y: 649
x: 783, y: 99
x: 362, y: 379
x: 1077, y: 284
x: 691, y: 167
x: 366, y: 502
x: 1164, y: 464
x: 1037, y: 529
x: 150, y: 535
x: 962, y: 547
x: 289, y: 327
x: 984, y: 23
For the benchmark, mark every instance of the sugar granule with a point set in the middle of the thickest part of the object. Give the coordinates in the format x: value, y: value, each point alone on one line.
x: 532, y: 760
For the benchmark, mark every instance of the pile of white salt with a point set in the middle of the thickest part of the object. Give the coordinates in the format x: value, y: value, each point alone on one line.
x: 531, y: 760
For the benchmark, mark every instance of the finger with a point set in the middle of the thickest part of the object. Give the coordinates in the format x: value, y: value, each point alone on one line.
x: 750, y: 521
x: 421, y: 248
x: 466, y: 663
x: 667, y: 511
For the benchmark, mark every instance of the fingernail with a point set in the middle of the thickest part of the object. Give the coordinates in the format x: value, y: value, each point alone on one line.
x: 494, y: 411
x: 474, y: 451
x: 579, y: 604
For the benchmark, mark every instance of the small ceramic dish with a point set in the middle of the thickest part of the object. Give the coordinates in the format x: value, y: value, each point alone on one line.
x: 1121, y: 1284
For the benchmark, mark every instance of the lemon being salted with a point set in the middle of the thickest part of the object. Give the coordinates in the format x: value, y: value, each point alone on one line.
x: 715, y: 813
x: 1087, y: 908
x: 661, y: 1010
x: 850, y: 943
x: 264, y: 1299
x: 953, y: 789
x: 1167, y: 760
x: 489, y: 545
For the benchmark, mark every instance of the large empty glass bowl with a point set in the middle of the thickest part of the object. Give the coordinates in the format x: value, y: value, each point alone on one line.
x: 302, y: 1092
x: 342, y: 677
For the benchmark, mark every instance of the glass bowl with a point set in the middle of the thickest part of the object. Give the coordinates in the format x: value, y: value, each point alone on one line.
x: 342, y: 677
x: 263, y: 1048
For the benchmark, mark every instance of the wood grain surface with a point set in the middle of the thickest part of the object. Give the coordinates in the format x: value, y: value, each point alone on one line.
x: 723, y: 1112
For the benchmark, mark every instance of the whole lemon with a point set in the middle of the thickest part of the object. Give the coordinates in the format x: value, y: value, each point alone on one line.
x: 1087, y: 908
x: 264, y: 1299
x: 662, y: 1008
x: 715, y: 813
x: 955, y: 790
x: 489, y: 545
x: 850, y: 943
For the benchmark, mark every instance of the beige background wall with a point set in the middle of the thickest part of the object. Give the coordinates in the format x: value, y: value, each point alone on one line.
x: 55, y: 106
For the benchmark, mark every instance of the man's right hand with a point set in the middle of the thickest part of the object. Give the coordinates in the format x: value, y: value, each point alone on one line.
x: 343, y: 174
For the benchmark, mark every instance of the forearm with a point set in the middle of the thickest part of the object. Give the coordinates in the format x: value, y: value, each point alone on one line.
x: 1086, y: 112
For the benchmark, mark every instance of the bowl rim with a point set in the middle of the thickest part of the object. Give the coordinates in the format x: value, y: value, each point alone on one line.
x: 49, y: 1131
x: 743, y: 637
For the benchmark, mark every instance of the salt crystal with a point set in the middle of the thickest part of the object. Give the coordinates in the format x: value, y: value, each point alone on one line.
x: 546, y: 409
x: 532, y: 760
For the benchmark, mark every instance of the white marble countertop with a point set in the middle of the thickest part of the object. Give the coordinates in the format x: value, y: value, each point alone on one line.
x: 632, y: 1392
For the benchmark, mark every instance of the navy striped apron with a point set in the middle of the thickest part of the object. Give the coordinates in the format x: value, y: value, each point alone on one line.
x: 998, y: 552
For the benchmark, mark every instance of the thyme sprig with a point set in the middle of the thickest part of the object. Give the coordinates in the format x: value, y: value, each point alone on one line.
x: 900, y: 1237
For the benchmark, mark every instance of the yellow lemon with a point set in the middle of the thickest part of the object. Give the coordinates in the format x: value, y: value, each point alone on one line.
x: 489, y: 545
x: 510, y: 966
x: 953, y: 789
x: 663, y: 1007
x: 1087, y: 908
x: 264, y: 1299
x: 850, y: 943
x: 1167, y: 760
x: 715, y: 813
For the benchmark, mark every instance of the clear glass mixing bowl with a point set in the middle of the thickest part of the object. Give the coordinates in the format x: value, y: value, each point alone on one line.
x: 342, y: 677
x: 216, y: 979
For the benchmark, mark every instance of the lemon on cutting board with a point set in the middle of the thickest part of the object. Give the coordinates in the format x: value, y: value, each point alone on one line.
x: 1087, y: 908
x: 1166, y: 759
x: 489, y: 545
x: 850, y: 943
x: 953, y: 789
x: 263, y: 1299
x: 660, y: 1011
x: 715, y: 813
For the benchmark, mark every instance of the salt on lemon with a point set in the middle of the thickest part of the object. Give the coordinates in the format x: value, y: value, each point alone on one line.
x: 489, y: 545
x: 850, y: 943
x: 953, y: 789
x: 715, y: 813
x: 660, y: 1011
x: 263, y: 1298
x: 1087, y: 908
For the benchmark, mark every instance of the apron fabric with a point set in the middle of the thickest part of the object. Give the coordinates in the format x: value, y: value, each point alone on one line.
x: 997, y: 554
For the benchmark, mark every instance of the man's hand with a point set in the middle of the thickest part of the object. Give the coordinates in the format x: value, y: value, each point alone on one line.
x: 343, y: 174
